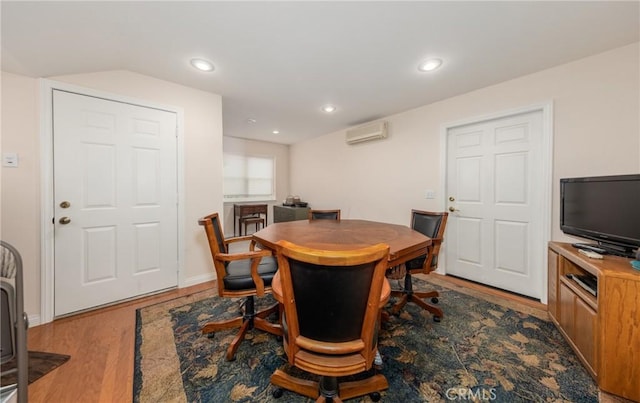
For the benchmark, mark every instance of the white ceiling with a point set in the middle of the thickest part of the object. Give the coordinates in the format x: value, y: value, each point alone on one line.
x: 279, y: 62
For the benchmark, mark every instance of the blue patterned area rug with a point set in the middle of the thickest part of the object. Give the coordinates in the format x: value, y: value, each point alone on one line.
x: 484, y: 349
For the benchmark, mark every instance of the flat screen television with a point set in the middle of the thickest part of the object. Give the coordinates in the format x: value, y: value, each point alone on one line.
x: 605, y: 209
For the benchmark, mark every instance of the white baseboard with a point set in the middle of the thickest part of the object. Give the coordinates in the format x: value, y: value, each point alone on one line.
x: 188, y: 282
x: 34, y: 320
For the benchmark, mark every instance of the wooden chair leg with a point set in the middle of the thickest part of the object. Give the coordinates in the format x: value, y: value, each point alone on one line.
x: 397, y: 307
x: 437, y: 312
x: 268, y: 311
x: 427, y: 294
x: 300, y: 386
x: 233, y: 347
x: 267, y: 326
x: 211, y: 327
x: 245, y: 323
x: 352, y: 389
x: 260, y: 323
x: 311, y: 389
x: 408, y: 295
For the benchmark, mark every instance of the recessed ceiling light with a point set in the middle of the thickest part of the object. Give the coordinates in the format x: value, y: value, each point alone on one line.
x: 202, y: 65
x: 276, y: 132
x: 328, y: 108
x: 430, y: 65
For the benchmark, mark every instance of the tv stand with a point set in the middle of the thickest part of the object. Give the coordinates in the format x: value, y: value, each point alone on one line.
x: 602, y: 329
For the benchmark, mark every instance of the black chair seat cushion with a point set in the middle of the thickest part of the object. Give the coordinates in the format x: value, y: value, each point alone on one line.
x: 239, y: 273
x: 415, y: 264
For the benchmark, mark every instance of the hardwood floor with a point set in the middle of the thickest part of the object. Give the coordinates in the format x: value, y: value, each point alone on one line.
x: 101, y: 346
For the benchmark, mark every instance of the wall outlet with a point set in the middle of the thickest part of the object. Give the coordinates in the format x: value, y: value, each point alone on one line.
x: 429, y: 194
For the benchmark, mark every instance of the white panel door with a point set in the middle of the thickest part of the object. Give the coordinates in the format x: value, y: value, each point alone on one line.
x: 115, y: 195
x: 494, y: 184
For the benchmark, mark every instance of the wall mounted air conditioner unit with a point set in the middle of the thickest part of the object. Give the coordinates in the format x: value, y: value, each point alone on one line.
x: 371, y: 131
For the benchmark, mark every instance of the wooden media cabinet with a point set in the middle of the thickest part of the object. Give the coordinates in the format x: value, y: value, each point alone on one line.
x: 603, y: 330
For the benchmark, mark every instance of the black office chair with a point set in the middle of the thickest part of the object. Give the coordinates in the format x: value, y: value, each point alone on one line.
x: 14, y: 323
x: 246, y: 274
x: 324, y: 215
x: 332, y: 302
x: 432, y: 225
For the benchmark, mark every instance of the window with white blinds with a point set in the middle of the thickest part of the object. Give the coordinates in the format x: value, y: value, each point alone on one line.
x: 249, y: 178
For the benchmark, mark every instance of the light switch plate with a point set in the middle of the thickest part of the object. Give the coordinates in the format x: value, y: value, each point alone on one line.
x: 10, y: 160
x: 429, y: 194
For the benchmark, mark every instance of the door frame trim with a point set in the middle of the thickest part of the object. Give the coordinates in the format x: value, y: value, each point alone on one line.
x: 47, y: 267
x: 546, y: 146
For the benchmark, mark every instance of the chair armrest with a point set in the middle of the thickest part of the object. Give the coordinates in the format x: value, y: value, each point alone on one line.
x: 252, y: 244
x: 238, y: 239
x: 256, y: 257
x: 433, y: 249
x: 230, y: 257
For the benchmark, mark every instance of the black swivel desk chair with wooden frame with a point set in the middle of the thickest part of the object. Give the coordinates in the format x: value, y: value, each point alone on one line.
x: 245, y: 274
x: 431, y: 224
x: 332, y: 302
x: 324, y: 215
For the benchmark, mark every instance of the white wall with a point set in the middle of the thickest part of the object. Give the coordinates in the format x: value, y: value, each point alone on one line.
x: 261, y: 148
x: 20, y: 191
x: 596, y: 132
x: 202, y: 163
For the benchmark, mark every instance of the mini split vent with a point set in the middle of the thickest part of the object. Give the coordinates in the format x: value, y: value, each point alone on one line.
x: 368, y: 132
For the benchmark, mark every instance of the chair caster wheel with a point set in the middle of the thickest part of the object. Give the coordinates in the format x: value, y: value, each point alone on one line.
x: 375, y: 396
x: 434, y: 300
x: 211, y: 335
x: 279, y: 338
x: 436, y: 319
x: 277, y: 393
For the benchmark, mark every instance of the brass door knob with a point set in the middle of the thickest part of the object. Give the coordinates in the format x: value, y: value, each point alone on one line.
x: 65, y: 204
x: 452, y: 209
x: 64, y: 220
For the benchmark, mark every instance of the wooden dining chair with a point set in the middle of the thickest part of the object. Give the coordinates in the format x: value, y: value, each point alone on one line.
x: 331, y: 307
x: 247, y: 274
x: 324, y: 215
x: 431, y: 224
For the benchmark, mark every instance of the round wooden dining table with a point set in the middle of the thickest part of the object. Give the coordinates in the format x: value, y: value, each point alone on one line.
x: 404, y: 242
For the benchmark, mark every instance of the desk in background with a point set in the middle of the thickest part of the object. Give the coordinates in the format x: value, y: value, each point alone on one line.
x: 241, y: 211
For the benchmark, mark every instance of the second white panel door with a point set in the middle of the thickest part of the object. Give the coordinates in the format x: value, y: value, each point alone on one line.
x: 494, y: 186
